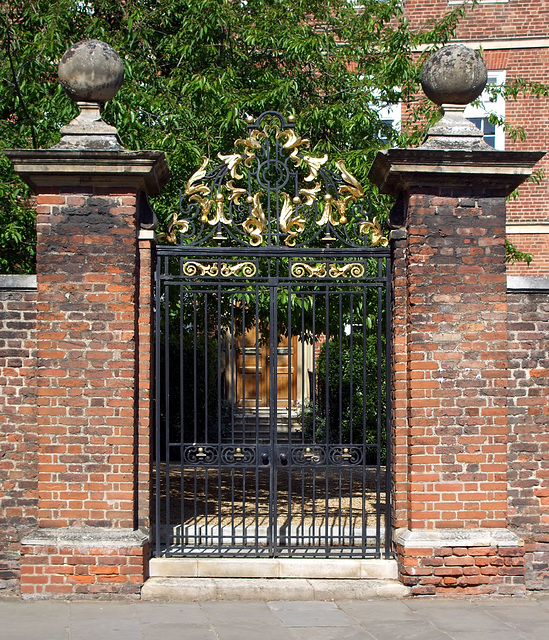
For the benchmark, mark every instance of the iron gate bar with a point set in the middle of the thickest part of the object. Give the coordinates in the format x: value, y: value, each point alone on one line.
x: 201, y: 291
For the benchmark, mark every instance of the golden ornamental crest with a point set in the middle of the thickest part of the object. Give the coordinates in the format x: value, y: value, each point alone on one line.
x: 272, y: 192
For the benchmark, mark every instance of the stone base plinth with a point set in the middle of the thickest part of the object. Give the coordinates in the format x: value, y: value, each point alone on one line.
x: 83, y: 562
x: 466, y: 561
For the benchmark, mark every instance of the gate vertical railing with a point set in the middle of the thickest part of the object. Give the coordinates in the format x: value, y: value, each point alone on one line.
x: 291, y: 305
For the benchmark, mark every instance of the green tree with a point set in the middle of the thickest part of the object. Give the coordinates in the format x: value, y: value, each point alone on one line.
x: 194, y: 68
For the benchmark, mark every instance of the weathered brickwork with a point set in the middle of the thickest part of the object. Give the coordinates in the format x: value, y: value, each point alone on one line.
x: 456, y: 361
x: 18, y: 436
x: 528, y: 473
x: 62, y: 571
x: 86, y: 261
x: 462, y: 570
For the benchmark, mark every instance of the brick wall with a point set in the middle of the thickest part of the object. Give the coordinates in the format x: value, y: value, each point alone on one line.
x: 528, y: 406
x: 18, y: 435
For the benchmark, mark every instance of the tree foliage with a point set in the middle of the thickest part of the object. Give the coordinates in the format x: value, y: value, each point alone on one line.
x: 194, y: 68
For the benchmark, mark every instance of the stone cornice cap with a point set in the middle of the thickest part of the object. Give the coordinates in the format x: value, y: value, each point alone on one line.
x: 48, y: 167
x: 398, y: 170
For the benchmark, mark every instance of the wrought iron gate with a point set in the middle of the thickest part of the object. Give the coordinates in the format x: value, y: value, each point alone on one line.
x: 272, y: 355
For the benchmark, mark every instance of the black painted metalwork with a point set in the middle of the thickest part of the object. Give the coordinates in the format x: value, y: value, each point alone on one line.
x: 272, y: 358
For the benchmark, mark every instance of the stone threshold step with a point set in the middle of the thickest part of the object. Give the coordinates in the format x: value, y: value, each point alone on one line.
x: 268, y: 589
x: 283, y: 568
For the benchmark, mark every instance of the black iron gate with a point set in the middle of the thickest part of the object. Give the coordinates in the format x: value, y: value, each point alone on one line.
x: 272, y: 355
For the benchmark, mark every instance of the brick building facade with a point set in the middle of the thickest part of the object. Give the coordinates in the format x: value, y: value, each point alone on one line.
x: 513, y: 37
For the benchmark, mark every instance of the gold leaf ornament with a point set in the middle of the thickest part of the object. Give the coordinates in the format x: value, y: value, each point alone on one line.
x: 314, y: 165
x: 310, y: 194
x: 350, y: 184
x: 192, y: 189
x: 292, y: 144
x: 175, y: 226
x: 256, y: 223
x: 328, y: 214
x: 232, y: 160
x: 377, y: 239
x: 290, y: 223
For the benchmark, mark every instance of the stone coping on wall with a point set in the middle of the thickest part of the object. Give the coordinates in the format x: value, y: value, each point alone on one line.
x: 531, y: 284
x: 86, y: 537
x: 17, y: 282
x: 437, y: 538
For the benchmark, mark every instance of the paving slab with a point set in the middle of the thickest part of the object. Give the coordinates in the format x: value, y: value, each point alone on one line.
x: 409, y: 630
x: 375, y: 610
x: 330, y: 633
x: 188, y: 613
x: 314, y: 614
x: 243, y: 620
x: 44, y: 619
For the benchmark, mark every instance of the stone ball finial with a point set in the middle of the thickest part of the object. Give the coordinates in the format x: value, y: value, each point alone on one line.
x: 91, y: 71
x: 454, y: 74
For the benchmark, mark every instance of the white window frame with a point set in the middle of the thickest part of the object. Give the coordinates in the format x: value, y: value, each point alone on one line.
x: 488, y: 106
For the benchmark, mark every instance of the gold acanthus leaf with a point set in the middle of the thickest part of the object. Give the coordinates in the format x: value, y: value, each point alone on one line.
x: 293, y: 143
x: 192, y: 189
x: 290, y: 224
x: 351, y: 185
x: 256, y: 223
x: 314, y: 165
x: 232, y: 160
x: 251, y: 144
x: 310, y: 194
x: 374, y: 228
x: 328, y: 215
x: 175, y: 226
x: 235, y: 192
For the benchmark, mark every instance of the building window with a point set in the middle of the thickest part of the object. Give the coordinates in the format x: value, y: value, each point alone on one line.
x: 494, y: 135
x: 389, y: 115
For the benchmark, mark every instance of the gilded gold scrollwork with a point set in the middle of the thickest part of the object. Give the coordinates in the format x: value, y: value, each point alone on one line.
x: 314, y: 165
x: 232, y: 160
x: 235, y: 193
x: 330, y: 213
x: 377, y: 239
x: 293, y: 143
x: 197, y: 191
x: 175, y: 226
x: 251, y: 144
x: 350, y: 184
x: 219, y: 215
x: 226, y: 203
x: 290, y: 222
x: 310, y: 194
x: 192, y: 268
x: 353, y: 269
x: 303, y: 269
x: 243, y: 269
x: 256, y: 223
x: 192, y: 189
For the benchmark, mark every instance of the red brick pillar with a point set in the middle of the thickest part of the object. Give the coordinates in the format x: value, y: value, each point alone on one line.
x: 94, y: 360
x: 450, y: 369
